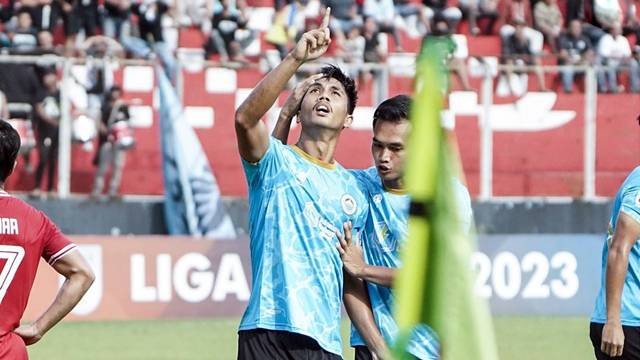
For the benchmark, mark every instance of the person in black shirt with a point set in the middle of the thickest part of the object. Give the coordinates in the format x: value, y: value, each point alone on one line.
x: 47, y: 122
x: 575, y: 49
x: 516, y: 50
x: 151, y: 40
x: 79, y: 15
x: 111, y: 152
x: 116, y: 18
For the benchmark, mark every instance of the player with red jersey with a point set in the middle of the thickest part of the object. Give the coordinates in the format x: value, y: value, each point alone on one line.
x: 26, y: 235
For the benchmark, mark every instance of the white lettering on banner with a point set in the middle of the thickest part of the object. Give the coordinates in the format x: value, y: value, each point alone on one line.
x: 163, y: 274
x: 231, y: 279
x: 191, y: 277
x: 140, y: 292
x: 503, y: 276
x: 193, y: 286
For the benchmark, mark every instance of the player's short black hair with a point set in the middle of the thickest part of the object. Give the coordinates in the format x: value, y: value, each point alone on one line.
x: 395, y: 109
x: 9, y: 148
x: 331, y: 71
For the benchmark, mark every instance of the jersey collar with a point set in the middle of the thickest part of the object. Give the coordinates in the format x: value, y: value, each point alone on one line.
x: 306, y: 156
x: 4, y: 193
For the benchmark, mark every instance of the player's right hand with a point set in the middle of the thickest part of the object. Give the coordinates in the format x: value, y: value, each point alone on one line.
x: 612, y: 339
x: 314, y: 43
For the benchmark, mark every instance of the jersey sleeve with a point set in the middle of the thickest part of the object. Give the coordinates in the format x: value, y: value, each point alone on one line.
x: 270, y: 164
x: 55, y: 244
x: 631, y: 203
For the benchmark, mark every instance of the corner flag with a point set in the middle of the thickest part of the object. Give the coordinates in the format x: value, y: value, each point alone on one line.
x: 435, y: 284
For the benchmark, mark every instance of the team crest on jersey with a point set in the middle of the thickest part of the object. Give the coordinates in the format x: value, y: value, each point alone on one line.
x: 349, y: 205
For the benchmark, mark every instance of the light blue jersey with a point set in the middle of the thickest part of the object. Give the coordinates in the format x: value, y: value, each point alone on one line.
x: 384, y: 235
x: 627, y: 201
x: 296, y: 203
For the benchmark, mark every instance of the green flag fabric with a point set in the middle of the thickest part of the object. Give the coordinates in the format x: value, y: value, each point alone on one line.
x: 435, y: 284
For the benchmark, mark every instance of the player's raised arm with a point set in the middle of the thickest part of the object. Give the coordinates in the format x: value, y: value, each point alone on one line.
x: 291, y: 108
x: 626, y: 233
x: 79, y: 278
x: 251, y: 133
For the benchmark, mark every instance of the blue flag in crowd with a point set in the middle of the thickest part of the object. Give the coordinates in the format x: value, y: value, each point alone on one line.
x: 193, y: 204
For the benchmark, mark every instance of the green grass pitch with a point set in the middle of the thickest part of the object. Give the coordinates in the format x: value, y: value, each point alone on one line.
x: 518, y: 338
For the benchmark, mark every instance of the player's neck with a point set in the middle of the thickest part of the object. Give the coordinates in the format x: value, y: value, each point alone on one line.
x: 395, y: 186
x: 320, y: 147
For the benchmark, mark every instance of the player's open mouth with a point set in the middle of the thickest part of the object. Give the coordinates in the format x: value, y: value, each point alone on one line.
x: 322, y: 109
x: 384, y: 169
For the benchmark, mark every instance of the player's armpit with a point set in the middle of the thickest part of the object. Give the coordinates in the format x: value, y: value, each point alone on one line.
x: 356, y: 301
x: 79, y: 278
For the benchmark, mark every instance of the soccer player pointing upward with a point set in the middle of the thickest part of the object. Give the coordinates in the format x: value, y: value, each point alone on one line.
x: 26, y: 235
x: 298, y: 197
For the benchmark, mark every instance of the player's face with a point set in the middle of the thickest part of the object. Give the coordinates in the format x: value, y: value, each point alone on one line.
x: 388, y: 149
x: 325, y: 105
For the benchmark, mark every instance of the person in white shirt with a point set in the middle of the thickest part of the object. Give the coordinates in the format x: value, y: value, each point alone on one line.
x: 614, y: 52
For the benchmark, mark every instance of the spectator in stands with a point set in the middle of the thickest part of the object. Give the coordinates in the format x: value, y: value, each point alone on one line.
x: 194, y: 12
x: 110, y: 153
x: 229, y: 34
x: 414, y: 18
x: 344, y: 16
x: 383, y: 12
x: 24, y: 36
x: 519, y: 11
x: 549, y: 21
x: 575, y: 49
x: 79, y: 15
x: 150, y: 42
x: 631, y: 24
x: 353, y: 53
x: 100, y: 67
x: 614, y: 52
x: 46, y: 44
x: 287, y: 26
x: 47, y: 122
x: 475, y: 10
x: 442, y: 36
x: 46, y: 15
x: 439, y: 9
x: 516, y: 51
x: 373, y: 49
x: 115, y: 23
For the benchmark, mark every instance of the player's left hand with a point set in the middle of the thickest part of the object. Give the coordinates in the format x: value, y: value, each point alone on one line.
x: 351, y: 253
x: 29, y: 333
x: 294, y: 101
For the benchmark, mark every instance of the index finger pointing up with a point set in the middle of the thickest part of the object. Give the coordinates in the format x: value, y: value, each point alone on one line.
x: 325, y: 20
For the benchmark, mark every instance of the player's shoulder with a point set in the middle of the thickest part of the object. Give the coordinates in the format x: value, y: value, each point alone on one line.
x: 633, y: 179
x: 17, y: 206
x: 368, y: 178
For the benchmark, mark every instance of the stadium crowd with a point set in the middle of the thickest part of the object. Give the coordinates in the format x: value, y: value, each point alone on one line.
x: 571, y: 32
